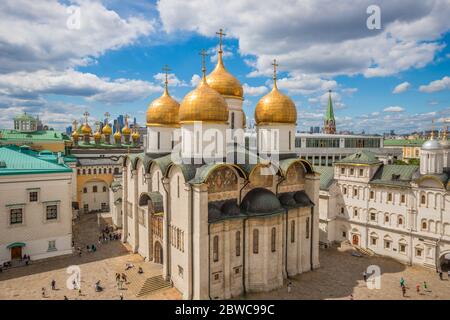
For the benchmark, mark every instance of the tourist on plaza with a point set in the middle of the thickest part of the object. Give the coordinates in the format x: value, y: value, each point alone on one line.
x: 448, y: 274
x: 351, y: 297
x: 289, y: 287
x: 79, y: 292
x: 403, y: 290
x: 140, y: 271
x: 128, y: 266
x: 425, y: 286
x: 98, y: 287
x: 402, y: 282
x: 65, y: 298
x: 365, y: 276
x: 418, y: 288
x: 121, y: 296
x: 440, y: 275
x: 124, y: 277
x: 43, y: 292
x: 53, y: 284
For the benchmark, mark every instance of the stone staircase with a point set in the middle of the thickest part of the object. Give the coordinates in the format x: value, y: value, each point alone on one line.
x: 366, y: 252
x: 153, y: 284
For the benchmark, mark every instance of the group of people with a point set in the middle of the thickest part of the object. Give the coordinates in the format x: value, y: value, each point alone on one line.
x: 418, y: 287
x: 108, y: 234
x: 120, y: 280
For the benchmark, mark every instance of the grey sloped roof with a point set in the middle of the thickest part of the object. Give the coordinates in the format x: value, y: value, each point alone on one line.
x: 260, y: 201
x: 96, y: 161
x: 297, y: 199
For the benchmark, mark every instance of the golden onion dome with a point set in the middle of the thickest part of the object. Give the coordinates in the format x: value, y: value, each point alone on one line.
x: 135, y: 135
x: 75, y: 134
x: 117, y: 135
x: 163, y: 111
x: 97, y: 135
x: 107, y: 130
x: 275, y: 107
x: 86, y: 129
x: 126, y: 131
x: 203, y: 104
x: 224, y: 82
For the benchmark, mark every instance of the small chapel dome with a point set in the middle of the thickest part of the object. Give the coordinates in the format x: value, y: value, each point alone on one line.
x: 107, y: 130
x: 431, y: 145
x: 261, y: 201
x: 163, y: 111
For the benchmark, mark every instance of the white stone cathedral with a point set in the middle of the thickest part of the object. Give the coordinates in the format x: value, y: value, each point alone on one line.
x: 241, y: 223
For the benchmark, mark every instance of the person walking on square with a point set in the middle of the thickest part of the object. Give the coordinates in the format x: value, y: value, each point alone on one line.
x: 403, y: 291
x: 440, y: 275
x: 425, y: 286
x: 365, y: 276
x: 418, y: 288
x: 289, y: 287
x: 402, y: 282
x: 43, y: 292
x: 53, y: 284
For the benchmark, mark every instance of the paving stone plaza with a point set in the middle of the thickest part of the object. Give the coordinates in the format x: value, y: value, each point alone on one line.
x: 339, y: 277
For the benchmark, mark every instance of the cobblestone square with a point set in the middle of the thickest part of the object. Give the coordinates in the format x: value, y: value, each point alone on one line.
x: 339, y: 276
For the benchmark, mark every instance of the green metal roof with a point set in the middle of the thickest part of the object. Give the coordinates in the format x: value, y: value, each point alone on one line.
x: 25, y: 117
x: 329, y: 115
x: 360, y: 157
x: 326, y: 176
x: 45, y: 135
x: 403, y: 142
x: 394, y: 175
x: 17, y: 162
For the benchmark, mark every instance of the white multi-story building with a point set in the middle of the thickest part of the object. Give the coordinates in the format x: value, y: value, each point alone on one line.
x: 401, y: 211
x: 35, y: 205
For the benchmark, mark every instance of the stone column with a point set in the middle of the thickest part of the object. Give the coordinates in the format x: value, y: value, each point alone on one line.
x: 135, y: 209
x: 166, y: 229
x: 201, y: 242
x: 312, y: 190
x: 125, y: 204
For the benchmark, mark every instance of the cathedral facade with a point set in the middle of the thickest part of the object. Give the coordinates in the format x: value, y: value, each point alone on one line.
x: 221, y: 219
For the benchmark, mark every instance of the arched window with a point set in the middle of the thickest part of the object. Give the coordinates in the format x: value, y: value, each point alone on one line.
x: 273, y: 239
x: 110, y: 170
x: 104, y: 170
x: 104, y: 189
x: 386, y: 218
x: 238, y: 243
x: 84, y: 190
x: 94, y: 189
x: 255, y: 241
x: 89, y: 171
x: 159, y: 140
x: 424, y: 225
x: 307, y: 228
x: 292, y: 231
x: 232, y: 120
x: 95, y: 171
x: 84, y: 171
x: 216, y: 248
x: 400, y: 220
x: 423, y: 199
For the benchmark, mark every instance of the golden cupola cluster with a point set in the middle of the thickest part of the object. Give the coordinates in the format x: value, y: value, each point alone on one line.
x: 203, y: 103
x: 275, y: 107
x: 221, y: 80
x: 164, y: 110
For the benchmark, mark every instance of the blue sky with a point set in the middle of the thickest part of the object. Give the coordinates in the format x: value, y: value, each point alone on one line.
x: 112, y: 61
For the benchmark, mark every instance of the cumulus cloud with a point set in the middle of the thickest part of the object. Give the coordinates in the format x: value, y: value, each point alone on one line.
x: 394, y: 109
x: 254, y: 91
x: 34, y: 35
x: 305, y: 84
x: 320, y: 36
x: 437, y: 85
x: 195, y: 80
x: 402, y: 87
x: 31, y: 85
x: 171, y: 78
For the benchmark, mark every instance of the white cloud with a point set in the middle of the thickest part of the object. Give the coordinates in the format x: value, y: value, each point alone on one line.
x: 402, y: 87
x: 34, y: 34
x: 171, y: 78
x: 437, y: 85
x: 305, y: 84
x: 394, y: 109
x: 335, y: 98
x: 31, y: 85
x: 322, y: 37
x: 349, y: 91
x: 195, y: 80
x: 214, y: 52
x: 254, y: 91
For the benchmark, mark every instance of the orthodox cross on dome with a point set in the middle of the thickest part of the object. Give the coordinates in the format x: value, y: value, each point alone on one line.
x: 74, y: 125
x: 166, y: 70
x: 203, y: 54
x: 221, y: 34
x: 275, y: 65
x: 107, y: 115
x: 126, y: 118
x: 86, y: 115
x: 432, y: 130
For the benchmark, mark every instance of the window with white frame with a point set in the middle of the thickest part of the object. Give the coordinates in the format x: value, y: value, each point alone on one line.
x: 419, y: 252
x: 52, y: 212
x: 373, y: 216
x: 402, y: 247
x: 52, y: 245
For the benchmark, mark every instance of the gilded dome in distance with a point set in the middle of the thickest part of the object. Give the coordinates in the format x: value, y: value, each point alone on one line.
x: 86, y: 129
x: 275, y: 107
x: 221, y: 80
x: 203, y: 104
x: 164, y: 110
x: 126, y: 131
x: 107, y: 130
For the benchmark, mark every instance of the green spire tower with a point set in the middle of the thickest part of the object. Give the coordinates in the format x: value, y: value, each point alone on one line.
x: 329, y: 125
